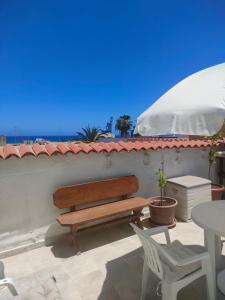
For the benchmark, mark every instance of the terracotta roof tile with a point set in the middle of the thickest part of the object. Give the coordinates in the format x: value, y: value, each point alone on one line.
x: 97, y: 147
x: 75, y: 148
x: 145, y: 145
x: 127, y: 146
x: 107, y: 147
x: 139, y: 145
x: 50, y: 149
x: 25, y: 150
x: 63, y: 148
x: 86, y: 148
x: 39, y: 149
x: 154, y: 145
x: 115, y: 146
x: 10, y: 150
x: 1, y: 152
x: 180, y: 144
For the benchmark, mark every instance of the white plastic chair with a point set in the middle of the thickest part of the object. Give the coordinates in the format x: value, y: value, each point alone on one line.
x: 6, y: 282
x: 174, y: 264
x: 9, y: 283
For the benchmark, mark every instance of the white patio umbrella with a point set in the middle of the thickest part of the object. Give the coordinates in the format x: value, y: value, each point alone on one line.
x: 194, y: 106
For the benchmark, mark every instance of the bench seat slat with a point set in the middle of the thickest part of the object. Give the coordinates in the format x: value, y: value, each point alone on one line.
x: 102, y: 211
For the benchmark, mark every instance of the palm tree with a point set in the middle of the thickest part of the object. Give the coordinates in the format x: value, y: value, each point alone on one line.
x: 90, y: 134
x: 123, y: 124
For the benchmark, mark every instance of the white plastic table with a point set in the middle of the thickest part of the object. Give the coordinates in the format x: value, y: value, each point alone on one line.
x: 211, y: 217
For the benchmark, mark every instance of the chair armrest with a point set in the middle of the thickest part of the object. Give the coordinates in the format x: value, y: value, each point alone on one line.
x: 186, y: 261
x: 193, y: 259
x: 9, y: 283
x: 158, y: 230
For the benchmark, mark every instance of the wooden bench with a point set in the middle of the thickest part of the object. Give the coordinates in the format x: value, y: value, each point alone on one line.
x: 75, y: 197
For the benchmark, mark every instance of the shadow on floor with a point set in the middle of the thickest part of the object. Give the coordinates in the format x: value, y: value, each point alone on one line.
x: 125, y: 275
x: 92, y: 238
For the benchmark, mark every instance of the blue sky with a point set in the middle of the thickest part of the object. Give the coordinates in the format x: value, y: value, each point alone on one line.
x: 66, y: 64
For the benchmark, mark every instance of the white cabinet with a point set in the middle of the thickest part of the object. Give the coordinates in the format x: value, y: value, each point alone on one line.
x: 189, y: 191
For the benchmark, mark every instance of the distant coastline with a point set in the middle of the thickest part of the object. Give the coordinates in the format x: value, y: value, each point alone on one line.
x: 33, y: 138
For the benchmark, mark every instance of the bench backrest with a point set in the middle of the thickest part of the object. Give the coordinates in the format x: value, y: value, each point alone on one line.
x: 69, y: 196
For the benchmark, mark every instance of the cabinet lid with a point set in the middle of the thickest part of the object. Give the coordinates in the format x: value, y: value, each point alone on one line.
x: 189, y: 181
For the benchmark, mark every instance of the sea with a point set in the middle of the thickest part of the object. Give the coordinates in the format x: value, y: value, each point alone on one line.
x: 33, y: 138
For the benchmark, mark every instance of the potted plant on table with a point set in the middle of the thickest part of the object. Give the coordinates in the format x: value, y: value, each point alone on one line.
x: 162, y: 208
x: 217, y: 189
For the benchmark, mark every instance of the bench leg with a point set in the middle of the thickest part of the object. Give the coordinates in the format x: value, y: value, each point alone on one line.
x: 75, y: 244
x: 137, y: 215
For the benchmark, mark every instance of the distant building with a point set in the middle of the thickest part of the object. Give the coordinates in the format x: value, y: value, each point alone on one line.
x: 2, y: 140
x: 28, y: 142
x: 41, y: 141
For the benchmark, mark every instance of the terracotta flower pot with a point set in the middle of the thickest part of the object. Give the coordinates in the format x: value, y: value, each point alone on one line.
x: 162, y: 215
x: 217, y: 191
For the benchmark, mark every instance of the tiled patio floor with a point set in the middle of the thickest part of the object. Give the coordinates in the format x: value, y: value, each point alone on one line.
x: 109, y: 267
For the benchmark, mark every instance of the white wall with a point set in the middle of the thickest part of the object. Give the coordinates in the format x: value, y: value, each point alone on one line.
x: 27, y: 212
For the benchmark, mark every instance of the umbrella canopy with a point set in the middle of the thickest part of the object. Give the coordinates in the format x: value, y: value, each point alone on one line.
x: 194, y: 106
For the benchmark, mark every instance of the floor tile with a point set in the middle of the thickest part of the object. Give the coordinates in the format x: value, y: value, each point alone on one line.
x: 109, y: 268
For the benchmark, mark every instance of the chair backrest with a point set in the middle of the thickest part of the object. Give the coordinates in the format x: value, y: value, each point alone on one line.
x: 79, y: 194
x: 152, y: 258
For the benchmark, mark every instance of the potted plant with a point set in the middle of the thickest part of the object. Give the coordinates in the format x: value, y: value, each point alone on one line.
x: 162, y: 208
x: 217, y: 189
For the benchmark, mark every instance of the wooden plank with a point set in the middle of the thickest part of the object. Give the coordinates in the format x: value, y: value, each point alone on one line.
x: 106, y: 224
x: 88, y: 215
x: 79, y: 194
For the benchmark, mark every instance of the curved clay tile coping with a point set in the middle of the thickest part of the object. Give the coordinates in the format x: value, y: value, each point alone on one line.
x: 115, y: 146
x: 145, y: 145
x: 63, y: 148
x: 25, y: 150
x: 106, y: 147
x: 85, y: 147
x: 134, y: 146
x: 10, y: 150
x: 74, y: 148
x: 1, y: 153
x: 39, y: 149
x: 50, y: 149
x: 97, y: 147
x: 155, y: 146
x: 180, y: 144
x: 140, y: 146
x: 128, y: 146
